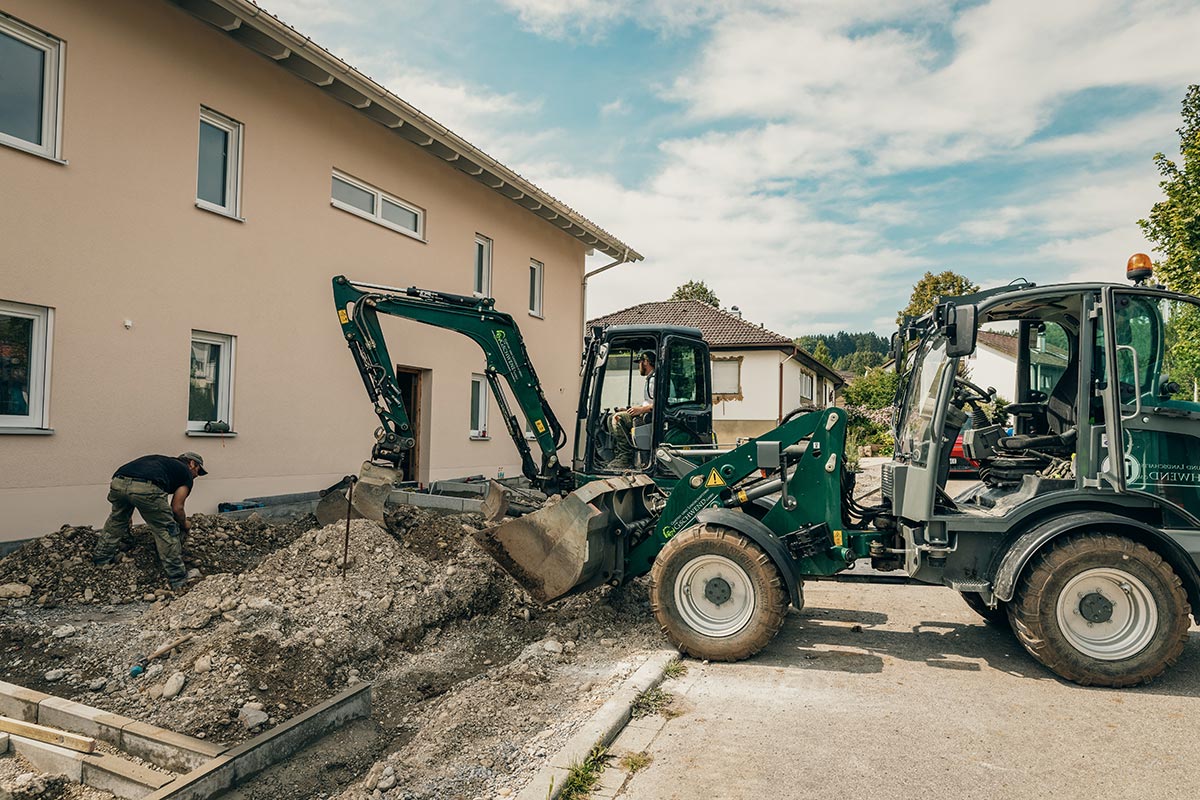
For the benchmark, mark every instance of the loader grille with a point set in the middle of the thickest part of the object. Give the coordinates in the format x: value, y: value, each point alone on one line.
x: 887, y: 482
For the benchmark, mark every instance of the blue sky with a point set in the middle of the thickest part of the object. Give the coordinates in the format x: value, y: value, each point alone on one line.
x: 808, y: 159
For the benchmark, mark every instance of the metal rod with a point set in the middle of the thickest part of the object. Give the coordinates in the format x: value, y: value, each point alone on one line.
x: 349, y: 510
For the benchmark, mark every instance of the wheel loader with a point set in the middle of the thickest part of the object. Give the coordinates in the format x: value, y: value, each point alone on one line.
x: 1082, y: 534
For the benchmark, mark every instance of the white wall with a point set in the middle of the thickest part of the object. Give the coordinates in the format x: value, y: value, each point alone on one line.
x: 992, y: 368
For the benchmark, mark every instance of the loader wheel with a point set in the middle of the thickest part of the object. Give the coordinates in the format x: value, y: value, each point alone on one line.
x: 997, y: 616
x: 1101, y: 610
x: 716, y: 594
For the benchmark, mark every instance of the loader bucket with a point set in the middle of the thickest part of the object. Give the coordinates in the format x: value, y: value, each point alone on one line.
x: 571, y: 545
x: 371, y: 491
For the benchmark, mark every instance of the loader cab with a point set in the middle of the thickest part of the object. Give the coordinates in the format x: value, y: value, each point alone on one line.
x: 680, y: 387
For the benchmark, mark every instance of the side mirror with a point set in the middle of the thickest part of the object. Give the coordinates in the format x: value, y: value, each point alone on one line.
x: 769, y: 455
x: 960, y: 330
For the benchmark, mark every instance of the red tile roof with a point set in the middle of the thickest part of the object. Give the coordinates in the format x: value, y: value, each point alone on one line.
x: 720, y: 328
x: 999, y: 342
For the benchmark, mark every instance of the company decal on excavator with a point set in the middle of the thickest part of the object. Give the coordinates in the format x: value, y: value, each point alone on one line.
x: 688, y: 515
x: 510, y: 360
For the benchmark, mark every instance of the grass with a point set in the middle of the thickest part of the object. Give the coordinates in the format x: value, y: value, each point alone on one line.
x: 582, y: 778
x: 676, y: 669
x: 653, y: 701
x: 634, y: 763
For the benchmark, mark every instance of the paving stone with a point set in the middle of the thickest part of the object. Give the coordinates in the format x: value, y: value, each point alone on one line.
x: 122, y: 778
x: 67, y: 715
x: 19, y: 703
x: 49, y: 758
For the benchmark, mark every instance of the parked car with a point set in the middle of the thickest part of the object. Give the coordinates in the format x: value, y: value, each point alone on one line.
x: 960, y: 465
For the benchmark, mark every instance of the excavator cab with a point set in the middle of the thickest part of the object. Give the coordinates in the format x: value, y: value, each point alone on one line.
x: 613, y: 379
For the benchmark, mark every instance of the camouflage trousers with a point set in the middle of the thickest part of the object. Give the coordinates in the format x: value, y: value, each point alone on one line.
x: 126, y: 496
x: 621, y: 427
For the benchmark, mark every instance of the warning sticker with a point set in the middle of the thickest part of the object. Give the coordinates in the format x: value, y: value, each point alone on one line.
x: 541, y: 427
x: 714, y: 480
x: 343, y: 316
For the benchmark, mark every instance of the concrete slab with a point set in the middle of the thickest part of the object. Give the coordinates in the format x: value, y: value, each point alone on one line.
x: 58, y: 712
x: 213, y: 778
x: 120, y: 777
x: 20, y: 703
x: 49, y: 758
x: 167, y: 749
x: 3, y: 743
x: 633, y: 740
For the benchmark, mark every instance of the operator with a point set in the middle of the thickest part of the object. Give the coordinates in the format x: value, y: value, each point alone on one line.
x: 145, y: 484
x: 621, y: 423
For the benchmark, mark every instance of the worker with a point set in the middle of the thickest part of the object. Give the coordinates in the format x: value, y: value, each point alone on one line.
x: 621, y: 423
x: 157, y: 486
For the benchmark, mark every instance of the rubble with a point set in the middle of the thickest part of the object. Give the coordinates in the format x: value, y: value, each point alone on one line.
x: 473, y: 685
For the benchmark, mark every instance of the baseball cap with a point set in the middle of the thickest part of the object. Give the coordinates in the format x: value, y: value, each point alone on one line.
x: 190, y: 456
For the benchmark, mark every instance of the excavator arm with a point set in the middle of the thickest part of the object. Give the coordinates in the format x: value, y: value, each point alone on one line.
x: 359, y: 306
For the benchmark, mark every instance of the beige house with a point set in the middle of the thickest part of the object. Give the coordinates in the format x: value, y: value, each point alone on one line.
x: 181, y: 182
x: 758, y: 376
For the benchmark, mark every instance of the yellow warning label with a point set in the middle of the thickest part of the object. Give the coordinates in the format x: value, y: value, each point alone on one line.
x: 342, y: 316
x: 837, y: 538
x: 714, y: 480
x: 541, y: 427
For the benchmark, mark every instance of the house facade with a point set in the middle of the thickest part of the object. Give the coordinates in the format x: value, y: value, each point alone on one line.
x: 758, y: 376
x: 182, y: 180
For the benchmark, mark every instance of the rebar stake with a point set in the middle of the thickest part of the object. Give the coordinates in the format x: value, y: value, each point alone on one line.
x: 349, y: 511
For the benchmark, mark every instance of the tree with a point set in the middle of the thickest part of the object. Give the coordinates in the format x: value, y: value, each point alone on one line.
x: 1174, y: 223
x: 859, y: 361
x: 821, y: 353
x: 931, y: 287
x: 696, y: 290
x: 875, y: 389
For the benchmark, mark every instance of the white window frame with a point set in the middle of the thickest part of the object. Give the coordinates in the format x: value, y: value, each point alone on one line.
x: 736, y: 361
x: 811, y: 381
x: 39, y: 365
x: 226, y: 370
x: 233, y: 168
x: 481, y: 431
x: 378, y: 217
x: 537, y: 285
x: 481, y: 284
x: 52, y: 89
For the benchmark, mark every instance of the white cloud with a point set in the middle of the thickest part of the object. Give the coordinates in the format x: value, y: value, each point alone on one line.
x: 615, y: 108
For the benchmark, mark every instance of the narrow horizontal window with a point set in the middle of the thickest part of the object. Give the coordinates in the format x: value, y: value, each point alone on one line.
x: 30, y: 88
x: 368, y: 202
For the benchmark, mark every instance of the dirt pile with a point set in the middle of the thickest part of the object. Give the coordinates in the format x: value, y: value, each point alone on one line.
x: 57, y: 568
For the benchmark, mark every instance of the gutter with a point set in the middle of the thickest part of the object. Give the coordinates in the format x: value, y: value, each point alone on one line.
x: 624, y: 259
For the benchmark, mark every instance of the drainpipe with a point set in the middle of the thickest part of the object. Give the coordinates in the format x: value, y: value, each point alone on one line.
x: 624, y: 259
x: 779, y: 419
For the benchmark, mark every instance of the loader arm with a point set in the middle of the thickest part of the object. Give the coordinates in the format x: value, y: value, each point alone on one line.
x: 359, y: 306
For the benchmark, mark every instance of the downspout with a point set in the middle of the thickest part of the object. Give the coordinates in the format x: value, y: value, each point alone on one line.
x: 779, y: 419
x: 624, y: 259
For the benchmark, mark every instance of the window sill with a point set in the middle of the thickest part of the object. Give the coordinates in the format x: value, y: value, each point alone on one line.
x: 33, y: 151
x: 536, y: 315
x: 208, y: 435
x: 220, y: 212
x: 480, y: 438
x: 26, y: 431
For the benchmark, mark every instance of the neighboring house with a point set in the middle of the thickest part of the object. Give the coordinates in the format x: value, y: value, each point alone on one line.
x: 181, y: 181
x: 758, y: 376
x: 994, y: 363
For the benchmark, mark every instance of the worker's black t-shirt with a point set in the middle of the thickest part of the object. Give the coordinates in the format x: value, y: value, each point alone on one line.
x: 165, y: 472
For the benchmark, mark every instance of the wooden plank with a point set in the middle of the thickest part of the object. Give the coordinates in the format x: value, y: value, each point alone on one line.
x: 40, y: 733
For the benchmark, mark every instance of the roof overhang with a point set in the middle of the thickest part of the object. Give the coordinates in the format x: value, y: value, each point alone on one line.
x: 257, y: 30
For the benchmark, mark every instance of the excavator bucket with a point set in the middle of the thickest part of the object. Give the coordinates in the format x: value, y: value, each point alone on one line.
x: 571, y: 545
x: 369, y: 495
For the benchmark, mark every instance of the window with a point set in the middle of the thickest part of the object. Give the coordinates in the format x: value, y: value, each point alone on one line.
x: 210, y: 385
x: 30, y: 89
x: 25, y: 336
x: 219, y: 164
x: 806, y: 386
x: 537, y: 271
x: 727, y: 376
x: 479, y: 407
x: 364, y: 200
x: 483, y: 266
x: 686, y: 381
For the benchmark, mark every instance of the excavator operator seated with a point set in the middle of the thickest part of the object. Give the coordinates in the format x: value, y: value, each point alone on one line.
x: 621, y: 423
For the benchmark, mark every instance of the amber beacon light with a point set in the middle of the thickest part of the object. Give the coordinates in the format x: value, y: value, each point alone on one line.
x: 1139, y: 268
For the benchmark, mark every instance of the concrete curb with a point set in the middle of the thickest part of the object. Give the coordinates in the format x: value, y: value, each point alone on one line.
x: 601, y: 729
x: 239, y: 763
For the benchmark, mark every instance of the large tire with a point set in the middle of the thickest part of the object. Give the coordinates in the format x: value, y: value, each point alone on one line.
x: 1101, y: 610
x: 716, y: 594
x: 997, y: 616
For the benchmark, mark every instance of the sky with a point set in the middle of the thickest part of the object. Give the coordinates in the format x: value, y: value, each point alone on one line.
x: 808, y: 160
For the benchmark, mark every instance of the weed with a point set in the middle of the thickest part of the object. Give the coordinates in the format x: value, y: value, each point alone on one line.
x: 634, y: 763
x: 653, y: 701
x: 582, y: 778
x: 676, y: 669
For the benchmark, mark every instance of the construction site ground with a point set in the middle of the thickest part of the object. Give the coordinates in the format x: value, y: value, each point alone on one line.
x: 474, y: 687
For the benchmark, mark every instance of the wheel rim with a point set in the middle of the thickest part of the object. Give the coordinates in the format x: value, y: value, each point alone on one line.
x: 1107, y: 614
x: 714, y: 596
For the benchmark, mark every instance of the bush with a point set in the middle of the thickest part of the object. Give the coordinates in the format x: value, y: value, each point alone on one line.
x: 876, y: 389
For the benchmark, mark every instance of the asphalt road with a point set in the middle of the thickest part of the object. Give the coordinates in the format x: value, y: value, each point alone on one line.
x: 901, y: 691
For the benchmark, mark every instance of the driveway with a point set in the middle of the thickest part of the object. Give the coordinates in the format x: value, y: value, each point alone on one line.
x: 901, y: 691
